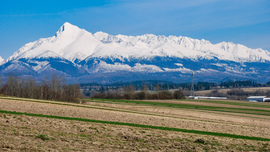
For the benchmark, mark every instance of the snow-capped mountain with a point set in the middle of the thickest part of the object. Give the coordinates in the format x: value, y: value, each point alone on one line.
x: 69, y: 42
x: 103, y: 57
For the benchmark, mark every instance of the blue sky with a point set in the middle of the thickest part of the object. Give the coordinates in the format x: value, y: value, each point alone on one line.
x: 245, y: 22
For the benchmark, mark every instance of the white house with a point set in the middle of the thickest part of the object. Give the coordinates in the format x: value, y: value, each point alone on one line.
x: 204, y: 97
x: 258, y: 99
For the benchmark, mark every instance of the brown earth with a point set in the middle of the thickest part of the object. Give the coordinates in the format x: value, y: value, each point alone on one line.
x: 205, y: 92
x: 197, y: 115
x: 197, y: 102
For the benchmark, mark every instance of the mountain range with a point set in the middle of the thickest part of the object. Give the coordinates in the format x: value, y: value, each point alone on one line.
x: 85, y: 57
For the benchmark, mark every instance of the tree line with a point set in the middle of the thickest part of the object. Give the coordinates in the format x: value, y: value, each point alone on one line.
x: 53, y: 88
x: 241, y: 84
x: 130, y: 92
x: 156, y: 85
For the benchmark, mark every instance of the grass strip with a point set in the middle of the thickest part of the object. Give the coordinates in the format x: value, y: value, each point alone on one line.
x: 247, y: 104
x: 187, y: 106
x: 141, y: 126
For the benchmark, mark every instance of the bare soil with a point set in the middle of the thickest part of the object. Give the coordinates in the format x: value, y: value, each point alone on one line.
x: 206, y: 104
x: 196, y: 115
x: 205, y: 92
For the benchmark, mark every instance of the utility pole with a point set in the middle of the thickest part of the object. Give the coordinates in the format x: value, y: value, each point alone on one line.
x: 192, y: 84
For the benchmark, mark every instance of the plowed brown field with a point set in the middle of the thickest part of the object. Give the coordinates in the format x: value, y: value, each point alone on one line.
x: 28, y: 133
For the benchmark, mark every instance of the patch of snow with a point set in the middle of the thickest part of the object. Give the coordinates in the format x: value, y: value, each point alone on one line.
x: 182, y: 70
x: 235, y: 69
x: 105, y: 67
x: 179, y: 64
x: 145, y: 68
x: 15, y: 66
x: 40, y: 66
x: 219, y: 64
x: 202, y: 70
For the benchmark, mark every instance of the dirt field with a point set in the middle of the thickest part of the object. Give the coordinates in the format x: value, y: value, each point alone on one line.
x: 205, y: 92
x: 29, y: 133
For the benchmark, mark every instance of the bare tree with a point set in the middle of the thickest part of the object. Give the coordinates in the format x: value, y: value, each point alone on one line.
x: 157, y: 87
x: 178, y: 94
x: 12, y: 85
x: 0, y: 83
x: 129, y: 92
x: 145, y: 90
x: 30, y: 88
x: 51, y: 89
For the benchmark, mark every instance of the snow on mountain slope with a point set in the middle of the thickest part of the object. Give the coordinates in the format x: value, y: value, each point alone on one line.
x: 69, y: 42
x: 73, y: 43
x: 149, y: 45
x: 105, y: 68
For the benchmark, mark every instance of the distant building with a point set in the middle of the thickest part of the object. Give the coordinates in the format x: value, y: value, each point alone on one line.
x: 258, y: 99
x: 204, y: 97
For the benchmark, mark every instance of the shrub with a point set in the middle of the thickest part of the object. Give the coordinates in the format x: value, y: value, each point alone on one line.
x: 216, y: 93
x: 43, y: 137
x: 164, y: 95
x: 152, y: 96
x: 99, y: 95
x: 178, y: 95
x: 237, y: 92
x: 200, y: 141
x: 140, y: 96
